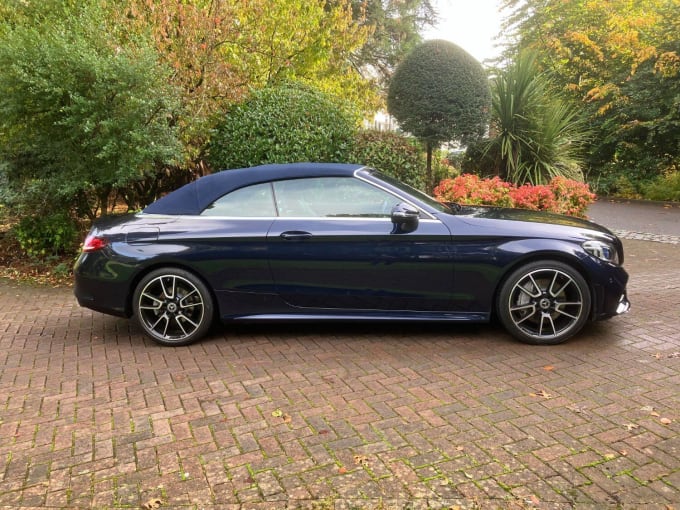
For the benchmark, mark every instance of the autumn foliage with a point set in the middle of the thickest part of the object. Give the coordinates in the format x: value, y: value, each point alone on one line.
x: 561, y: 195
x: 619, y: 62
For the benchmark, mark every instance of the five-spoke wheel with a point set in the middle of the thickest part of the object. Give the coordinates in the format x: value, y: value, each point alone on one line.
x: 544, y: 302
x: 173, y: 306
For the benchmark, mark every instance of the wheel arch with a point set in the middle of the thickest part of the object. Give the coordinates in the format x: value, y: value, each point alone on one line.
x: 558, y: 256
x: 173, y: 265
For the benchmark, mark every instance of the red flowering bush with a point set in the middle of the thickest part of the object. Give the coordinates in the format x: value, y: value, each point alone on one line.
x: 536, y: 198
x: 573, y: 197
x: 471, y: 190
x: 562, y: 195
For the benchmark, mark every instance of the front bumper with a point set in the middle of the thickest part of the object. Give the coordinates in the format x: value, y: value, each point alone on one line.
x: 611, y: 298
x: 624, y: 305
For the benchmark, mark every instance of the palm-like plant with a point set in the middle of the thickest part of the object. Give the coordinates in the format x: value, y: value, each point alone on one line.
x: 536, y: 135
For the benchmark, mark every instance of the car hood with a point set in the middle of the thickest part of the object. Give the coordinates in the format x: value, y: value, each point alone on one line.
x: 506, y: 221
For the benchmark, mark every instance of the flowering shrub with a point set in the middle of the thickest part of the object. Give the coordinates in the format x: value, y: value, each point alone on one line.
x: 536, y: 198
x: 563, y: 196
x: 573, y: 197
x: 471, y: 190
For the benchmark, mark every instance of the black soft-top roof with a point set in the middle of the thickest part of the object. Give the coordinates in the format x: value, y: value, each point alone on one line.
x: 199, y: 194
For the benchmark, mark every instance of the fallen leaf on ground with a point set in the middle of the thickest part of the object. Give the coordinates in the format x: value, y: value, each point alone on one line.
x: 666, y: 421
x: 361, y: 460
x: 548, y: 368
x: 542, y: 394
x: 152, y: 504
x: 278, y: 413
x: 342, y: 470
x: 577, y: 409
x: 631, y: 426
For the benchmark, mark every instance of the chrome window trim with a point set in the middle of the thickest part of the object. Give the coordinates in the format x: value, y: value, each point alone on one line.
x: 361, y: 178
x: 272, y: 218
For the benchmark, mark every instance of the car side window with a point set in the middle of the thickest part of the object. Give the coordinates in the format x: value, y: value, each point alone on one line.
x: 255, y: 201
x: 329, y: 197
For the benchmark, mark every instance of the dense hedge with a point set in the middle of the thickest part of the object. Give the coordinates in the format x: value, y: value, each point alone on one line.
x: 283, y: 124
x: 394, y: 154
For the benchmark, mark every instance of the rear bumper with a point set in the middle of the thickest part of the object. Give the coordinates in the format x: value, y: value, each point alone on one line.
x: 98, y: 290
x: 100, y: 298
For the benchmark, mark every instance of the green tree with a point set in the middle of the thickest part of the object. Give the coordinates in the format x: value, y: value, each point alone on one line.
x: 620, y: 61
x: 81, y: 116
x: 282, y: 124
x: 396, y: 27
x: 219, y: 50
x: 536, y: 135
x: 439, y: 93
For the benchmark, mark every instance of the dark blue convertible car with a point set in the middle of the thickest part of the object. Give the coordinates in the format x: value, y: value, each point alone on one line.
x: 343, y: 242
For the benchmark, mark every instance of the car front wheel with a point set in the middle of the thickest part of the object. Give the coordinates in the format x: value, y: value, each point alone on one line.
x: 173, y: 306
x: 544, y: 303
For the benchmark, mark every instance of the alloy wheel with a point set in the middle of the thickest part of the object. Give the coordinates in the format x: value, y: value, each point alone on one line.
x: 171, y: 308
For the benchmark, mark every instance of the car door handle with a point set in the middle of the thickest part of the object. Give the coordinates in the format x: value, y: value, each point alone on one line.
x: 296, y: 235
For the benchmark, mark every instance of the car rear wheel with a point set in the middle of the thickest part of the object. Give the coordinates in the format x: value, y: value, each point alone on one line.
x: 173, y: 306
x: 544, y: 302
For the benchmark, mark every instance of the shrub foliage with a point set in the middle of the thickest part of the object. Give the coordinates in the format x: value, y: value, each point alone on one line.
x: 283, y: 124
x: 83, y: 114
x: 394, y: 154
x: 537, y: 135
x: 46, y: 236
x: 561, y: 195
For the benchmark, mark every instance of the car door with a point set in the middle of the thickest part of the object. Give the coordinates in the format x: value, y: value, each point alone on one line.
x: 231, y: 237
x: 334, y: 246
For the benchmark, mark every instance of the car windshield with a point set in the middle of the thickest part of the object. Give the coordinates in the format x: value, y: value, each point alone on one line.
x: 423, y: 197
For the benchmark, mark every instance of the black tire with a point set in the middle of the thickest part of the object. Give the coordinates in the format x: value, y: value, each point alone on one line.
x: 544, y: 303
x: 173, y: 306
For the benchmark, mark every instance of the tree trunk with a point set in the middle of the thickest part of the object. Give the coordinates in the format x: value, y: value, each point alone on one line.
x: 429, y: 185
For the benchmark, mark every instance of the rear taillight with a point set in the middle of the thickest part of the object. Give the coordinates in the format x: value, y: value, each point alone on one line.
x: 94, y: 243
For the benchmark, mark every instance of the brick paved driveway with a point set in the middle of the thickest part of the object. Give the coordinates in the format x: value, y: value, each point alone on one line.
x: 93, y: 415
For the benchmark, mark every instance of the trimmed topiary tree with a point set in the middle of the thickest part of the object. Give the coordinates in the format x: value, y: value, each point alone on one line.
x: 283, y: 124
x: 440, y: 93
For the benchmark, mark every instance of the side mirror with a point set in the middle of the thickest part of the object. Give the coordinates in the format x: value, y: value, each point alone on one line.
x: 404, y: 218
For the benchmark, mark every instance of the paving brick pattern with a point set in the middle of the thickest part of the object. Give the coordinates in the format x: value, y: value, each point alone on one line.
x: 93, y: 415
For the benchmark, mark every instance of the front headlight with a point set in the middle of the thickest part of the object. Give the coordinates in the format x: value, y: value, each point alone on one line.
x: 603, y: 251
